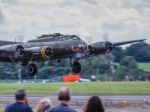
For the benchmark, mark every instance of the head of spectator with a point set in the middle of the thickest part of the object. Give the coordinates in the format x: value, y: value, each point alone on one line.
x: 21, y: 104
x: 64, y: 99
x: 21, y: 96
x: 44, y: 105
x: 64, y: 95
x: 94, y: 104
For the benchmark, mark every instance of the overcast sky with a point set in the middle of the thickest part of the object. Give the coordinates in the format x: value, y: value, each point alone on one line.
x: 119, y: 19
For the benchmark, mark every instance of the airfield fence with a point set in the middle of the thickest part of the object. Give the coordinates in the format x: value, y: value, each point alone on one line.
x: 25, y: 81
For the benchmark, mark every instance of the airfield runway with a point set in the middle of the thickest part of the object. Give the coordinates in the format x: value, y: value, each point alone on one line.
x: 112, y: 103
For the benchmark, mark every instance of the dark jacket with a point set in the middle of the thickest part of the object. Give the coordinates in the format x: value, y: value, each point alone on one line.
x: 18, y: 107
x: 61, y: 108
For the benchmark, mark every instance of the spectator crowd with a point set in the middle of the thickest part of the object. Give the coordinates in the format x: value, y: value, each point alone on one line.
x: 21, y: 104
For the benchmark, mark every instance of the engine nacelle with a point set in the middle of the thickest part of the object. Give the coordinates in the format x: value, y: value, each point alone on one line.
x: 100, y: 47
x: 15, y: 50
x: 44, y: 52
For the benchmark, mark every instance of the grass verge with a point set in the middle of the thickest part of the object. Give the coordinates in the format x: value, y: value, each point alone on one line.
x: 144, y: 66
x: 80, y: 88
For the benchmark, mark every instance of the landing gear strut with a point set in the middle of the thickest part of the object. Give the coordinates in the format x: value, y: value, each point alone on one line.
x: 76, y: 67
x: 32, y: 69
x: 24, y: 63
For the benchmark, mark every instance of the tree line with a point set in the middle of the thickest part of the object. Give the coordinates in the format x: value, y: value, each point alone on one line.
x: 140, y: 51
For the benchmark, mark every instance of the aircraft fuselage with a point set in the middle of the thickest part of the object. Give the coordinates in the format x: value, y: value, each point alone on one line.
x: 55, y: 46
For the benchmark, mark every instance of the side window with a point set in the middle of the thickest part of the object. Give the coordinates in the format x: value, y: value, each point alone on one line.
x: 60, y: 38
x: 64, y: 38
x: 51, y: 39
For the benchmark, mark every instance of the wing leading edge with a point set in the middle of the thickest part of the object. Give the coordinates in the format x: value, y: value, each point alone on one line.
x: 127, y: 42
x: 2, y: 43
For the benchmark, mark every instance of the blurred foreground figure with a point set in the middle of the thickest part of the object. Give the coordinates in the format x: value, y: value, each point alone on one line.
x: 94, y: 104
x: 64, y: 99
x: 44, y: 105
x: 21, y: 104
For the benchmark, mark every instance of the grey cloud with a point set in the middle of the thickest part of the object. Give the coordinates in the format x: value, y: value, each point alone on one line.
x: 113, y: 25
x: 78, y: 2
x: 83, y: 17
x: 91, y: 2
x: 67, y: 3
x: 141, y: 7
x: 10, y: 2
x: 1, y: 16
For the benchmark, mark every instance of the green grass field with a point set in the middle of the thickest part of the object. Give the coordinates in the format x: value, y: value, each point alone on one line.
x: 144, y: 66
x: 80, y: 88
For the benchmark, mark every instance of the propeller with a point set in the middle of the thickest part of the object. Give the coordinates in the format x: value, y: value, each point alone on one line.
x: 108, y: 44
x: 19, y: 38
x: 105, y: 37
x: 19, y: 51
x: 89, y: 39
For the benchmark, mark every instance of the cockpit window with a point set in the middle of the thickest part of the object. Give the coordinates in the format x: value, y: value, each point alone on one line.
x: 66, y: 37
x: 74, y: 37
x: 62, y: 38
x: 55, y: 37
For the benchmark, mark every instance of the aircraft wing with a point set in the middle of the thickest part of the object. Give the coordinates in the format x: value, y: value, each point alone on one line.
x: 2, y: 43
x: 126, y: 42
x: 106, y: 46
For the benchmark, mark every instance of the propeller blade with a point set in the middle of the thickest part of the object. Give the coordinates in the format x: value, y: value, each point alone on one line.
x: 89, y: 39
x: 105, y: 37
x: 19, y: 38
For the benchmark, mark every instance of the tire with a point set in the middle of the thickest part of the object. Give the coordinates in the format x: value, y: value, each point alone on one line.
x: 32, y: 69
x: 76, y: 67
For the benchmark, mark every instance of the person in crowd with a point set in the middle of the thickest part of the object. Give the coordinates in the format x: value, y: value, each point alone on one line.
x: 94, y: 104
x: 21, y: 104
x: 64, y: 98
x: 44, y: 105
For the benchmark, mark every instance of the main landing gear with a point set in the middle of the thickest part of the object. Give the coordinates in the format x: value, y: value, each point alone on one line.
x: 32, y: 69
x: 76, y: 67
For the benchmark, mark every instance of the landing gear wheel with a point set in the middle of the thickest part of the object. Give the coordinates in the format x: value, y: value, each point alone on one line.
x: 76, y: 67
x: 32, y: 69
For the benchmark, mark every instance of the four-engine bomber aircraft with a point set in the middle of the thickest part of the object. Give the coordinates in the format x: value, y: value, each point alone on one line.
x: 53, y: 46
